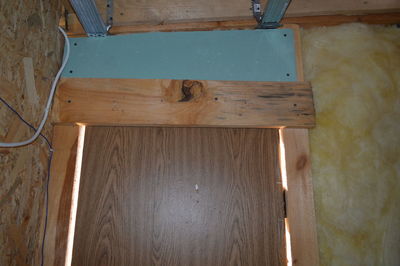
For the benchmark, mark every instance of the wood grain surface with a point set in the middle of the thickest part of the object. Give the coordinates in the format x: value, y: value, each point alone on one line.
x: 180, y: 196
x: 65, y: 140
x: 185, y: 103
x: 300, y: 198
x: 75, y: 28
x: 131, y: 12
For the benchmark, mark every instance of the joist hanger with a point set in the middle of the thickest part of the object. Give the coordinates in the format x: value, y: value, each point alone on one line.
x: 273, y: 14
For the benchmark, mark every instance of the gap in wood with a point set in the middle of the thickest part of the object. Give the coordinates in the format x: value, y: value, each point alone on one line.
x: 282, y: 162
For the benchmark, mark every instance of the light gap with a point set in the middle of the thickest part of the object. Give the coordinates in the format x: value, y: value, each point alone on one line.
x: 75, y: 194
x: 282, y: 161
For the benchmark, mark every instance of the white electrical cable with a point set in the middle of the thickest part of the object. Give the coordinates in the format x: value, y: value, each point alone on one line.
x: 49, y: 100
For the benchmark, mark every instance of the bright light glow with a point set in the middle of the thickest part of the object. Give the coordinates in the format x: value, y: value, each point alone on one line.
x: 282, y: 160
x: 285, y: 187
x: 75, y: 193
x: 288, y: 244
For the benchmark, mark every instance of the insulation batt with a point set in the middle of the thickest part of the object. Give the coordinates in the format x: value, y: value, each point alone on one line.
x: 355, y: 148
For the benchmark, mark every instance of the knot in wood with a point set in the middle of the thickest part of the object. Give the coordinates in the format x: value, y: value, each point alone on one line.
x: 301, y: 162
x: 191, y: 89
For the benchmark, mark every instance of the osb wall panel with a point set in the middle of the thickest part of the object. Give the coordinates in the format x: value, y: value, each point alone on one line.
x: 28, y: 28
x: 355, y: 148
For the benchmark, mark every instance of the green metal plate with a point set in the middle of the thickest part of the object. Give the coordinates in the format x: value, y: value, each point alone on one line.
x: 242, y: 55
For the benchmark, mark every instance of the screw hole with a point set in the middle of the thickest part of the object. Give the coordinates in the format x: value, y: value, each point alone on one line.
x: 75, y: 44
x: 111, y: 18
x: 295, y: 104
x: 121, y: 13
x: 108, y: 5
x: 284, y: 35
x: 69, y: 101
x: 287, y: 74
x: 216, y: 98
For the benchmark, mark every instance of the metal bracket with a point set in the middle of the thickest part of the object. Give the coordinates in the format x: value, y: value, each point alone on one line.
x: 273, y: 14
x: 110, y: 11
x: 90, y: 17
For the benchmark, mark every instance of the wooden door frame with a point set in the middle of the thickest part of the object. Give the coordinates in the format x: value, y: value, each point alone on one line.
x: 299, y: 196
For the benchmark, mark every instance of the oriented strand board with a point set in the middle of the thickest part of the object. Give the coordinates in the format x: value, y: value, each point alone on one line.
x: 28, y: 30
x: 180, y: 196
x: 185, y: 103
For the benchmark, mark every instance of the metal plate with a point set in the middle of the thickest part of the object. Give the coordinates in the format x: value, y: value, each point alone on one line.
x: 90, y: 17
x: 246, y: 55
x: 274, y: 12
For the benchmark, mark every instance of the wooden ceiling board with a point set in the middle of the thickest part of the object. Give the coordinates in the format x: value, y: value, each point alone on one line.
x: 133, y: 12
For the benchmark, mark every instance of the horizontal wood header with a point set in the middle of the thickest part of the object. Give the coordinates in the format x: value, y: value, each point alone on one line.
x: 185, y: 103
x: 133, y: 12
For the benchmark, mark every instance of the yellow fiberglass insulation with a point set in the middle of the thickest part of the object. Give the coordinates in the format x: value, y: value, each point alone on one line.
x: 355, y: 148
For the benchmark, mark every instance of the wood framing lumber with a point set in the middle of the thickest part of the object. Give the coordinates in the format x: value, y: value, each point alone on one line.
x: 185, y: 103
x: 76, y: 30
x: 130, y: 12
x: 65, y: 139
x: 299, y: 198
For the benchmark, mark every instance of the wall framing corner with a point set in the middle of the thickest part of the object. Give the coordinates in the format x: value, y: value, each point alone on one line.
x: 300, y: 198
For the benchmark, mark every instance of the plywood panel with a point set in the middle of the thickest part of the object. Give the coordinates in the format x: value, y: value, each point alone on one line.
x: 179, y: 196
x: 185, y: 103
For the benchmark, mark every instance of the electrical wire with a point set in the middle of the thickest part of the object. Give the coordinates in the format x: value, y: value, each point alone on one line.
x: 49, y: 100
x: 23, y: 120
x: 48, y: 173
x: 38, y: 133
x: 47, y: 205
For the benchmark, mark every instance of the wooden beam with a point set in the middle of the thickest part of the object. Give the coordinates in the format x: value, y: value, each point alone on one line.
x: 185, y: 103
x: 299, y: 198
x: 299, y: 52
x: 76, y: 30
x: 62, y: 172
x: 131, y: 12
x: 333, y: 20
